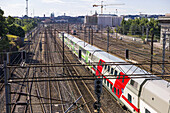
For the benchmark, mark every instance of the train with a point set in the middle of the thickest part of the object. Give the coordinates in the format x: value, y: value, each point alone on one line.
x: 147, y: 94
x: 73, y: 32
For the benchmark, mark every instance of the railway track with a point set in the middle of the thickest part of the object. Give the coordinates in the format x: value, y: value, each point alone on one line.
x: 83, y: 86
x: 16, y: 60
x: 82, y: 90
x: 18, y: 89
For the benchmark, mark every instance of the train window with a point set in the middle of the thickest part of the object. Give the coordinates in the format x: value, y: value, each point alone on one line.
x: 119, y: 76
x: 108, y: 68
x: 118, y: 91
x: 129, y: 98
x: 111, y: 86
x: 107, y: 83
x: 133, y: 83
x: 123, y: 79
x: 105, y: 67
x: 105, y: 80
x: 89, y: 54
x: 114, y: 90
x: 100, y: 63
x: 112, y: 71
x: 94, y: 67
x: 115, y: 72
x: 147, y: 111
x: 102, y: 77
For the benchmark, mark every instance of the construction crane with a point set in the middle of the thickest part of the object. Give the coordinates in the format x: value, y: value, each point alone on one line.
x: 102, y: 5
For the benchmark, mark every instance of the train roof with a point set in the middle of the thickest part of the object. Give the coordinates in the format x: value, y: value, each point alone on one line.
x: 127, y: 69
x: 161, y: 89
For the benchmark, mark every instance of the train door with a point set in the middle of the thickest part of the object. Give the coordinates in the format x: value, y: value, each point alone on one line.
x: 99, y: 68
x: 73, y: 46
x: 87, y: 56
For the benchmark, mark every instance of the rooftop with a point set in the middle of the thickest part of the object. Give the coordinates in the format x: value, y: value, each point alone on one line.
x: 164, y: 19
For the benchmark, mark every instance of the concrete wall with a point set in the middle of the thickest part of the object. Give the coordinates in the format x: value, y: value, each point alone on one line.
x: 165, y: 28
x: 112, y: 21
x: 90, y: 20
x: 105, y: 21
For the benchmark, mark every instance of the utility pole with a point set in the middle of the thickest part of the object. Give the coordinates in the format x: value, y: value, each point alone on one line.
x: 107, y: 38
x: 63, y: 52
x: 169, y: 41
x: 116, y: 33
x: 26, y: 7
x: 151, y: 52
x: 7, y: 88
x: 84, y: 35
x: 68, y: 28
x: 147, y: 33
x: 163, y: 53
x: 89, y: 33
x: 92, y: 36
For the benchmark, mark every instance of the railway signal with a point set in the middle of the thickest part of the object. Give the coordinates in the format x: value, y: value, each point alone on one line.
x: 98, y: 87
x: 97, y: 105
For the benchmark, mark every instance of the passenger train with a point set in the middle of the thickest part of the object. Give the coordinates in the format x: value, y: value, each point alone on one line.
x: 142, y: 95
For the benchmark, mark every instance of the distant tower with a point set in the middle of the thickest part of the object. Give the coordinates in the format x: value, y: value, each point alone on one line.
x: 26, y: 7
x: 96, y: 13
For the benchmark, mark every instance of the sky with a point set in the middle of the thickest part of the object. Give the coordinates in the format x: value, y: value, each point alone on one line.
x: 83, y: 7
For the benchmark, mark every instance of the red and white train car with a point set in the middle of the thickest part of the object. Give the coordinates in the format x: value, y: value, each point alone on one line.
x: 139, y: 95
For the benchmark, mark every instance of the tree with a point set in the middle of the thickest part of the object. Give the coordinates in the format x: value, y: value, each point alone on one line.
x: 132, y: 29
x: 3, y: 26
x: 138, y: 26
x: 10, y: 20
x: 16, y: 30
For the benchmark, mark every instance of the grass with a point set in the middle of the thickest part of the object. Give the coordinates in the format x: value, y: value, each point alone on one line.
x: 25, y: 39
x: 12, y: 37
x: 12, y: 43
x: 137, y: 36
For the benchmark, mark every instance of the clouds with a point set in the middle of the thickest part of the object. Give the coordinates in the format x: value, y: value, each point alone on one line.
x: 82, y: 7
x: 17, y: 5
x: 53, y: 1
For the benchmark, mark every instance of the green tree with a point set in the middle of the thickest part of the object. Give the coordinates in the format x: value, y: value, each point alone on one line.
x: 3, y: 26
x: 10, y: 20
x: 132, y: 29
x: 16, y: 30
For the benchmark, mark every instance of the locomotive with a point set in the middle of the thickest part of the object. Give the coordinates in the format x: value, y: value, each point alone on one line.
x: 149, y: 94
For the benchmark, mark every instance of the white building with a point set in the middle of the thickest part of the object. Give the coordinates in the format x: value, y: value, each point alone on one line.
x: 109, y: 20
x: 103, y: 20
x: 165, y: 28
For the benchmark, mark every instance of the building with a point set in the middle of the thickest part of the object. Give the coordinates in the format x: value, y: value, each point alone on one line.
x: 126, y: 17
x: 103, y: 20
x: 165, y: 28
x: 69, y: 19
x: 90, y: 20
x: 52, y: 16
